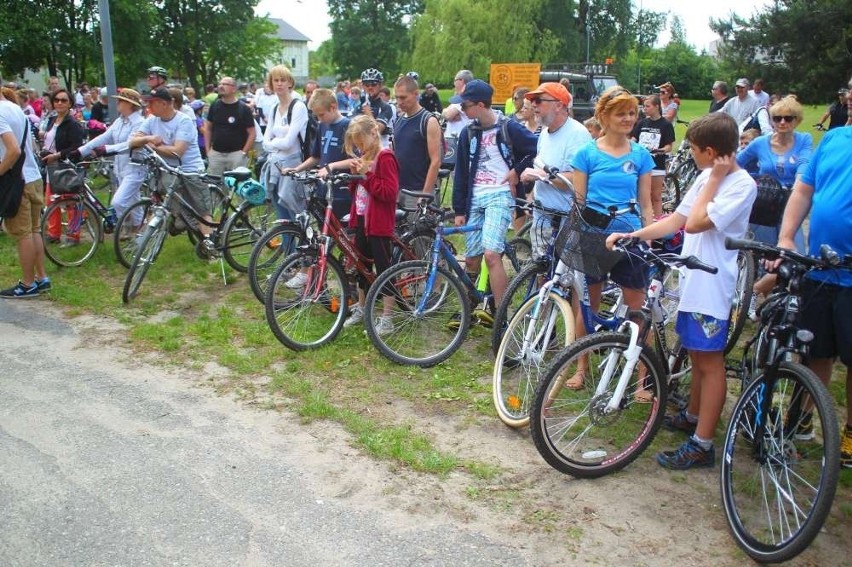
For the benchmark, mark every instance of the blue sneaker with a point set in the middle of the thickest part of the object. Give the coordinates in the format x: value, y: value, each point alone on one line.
x: 20, y: 291
x: 679, y: 422
x: 687, y: 456
x: 43, y: 284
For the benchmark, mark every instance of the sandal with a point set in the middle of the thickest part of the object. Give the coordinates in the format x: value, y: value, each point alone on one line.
x: 643, y: 396
x: 576, y: 381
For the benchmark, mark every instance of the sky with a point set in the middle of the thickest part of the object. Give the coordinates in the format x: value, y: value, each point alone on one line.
x: 311, y: 16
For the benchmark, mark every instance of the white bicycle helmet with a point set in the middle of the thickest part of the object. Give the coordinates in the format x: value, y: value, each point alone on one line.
x: 372, y: 75
x: 414, y: 75
x: 158, y: 71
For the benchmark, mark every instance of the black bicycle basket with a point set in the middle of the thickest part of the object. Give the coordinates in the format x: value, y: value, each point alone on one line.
x: 582, y: 247
x: 768, y: 207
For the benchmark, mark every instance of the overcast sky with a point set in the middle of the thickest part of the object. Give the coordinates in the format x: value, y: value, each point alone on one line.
x: 311, y: 16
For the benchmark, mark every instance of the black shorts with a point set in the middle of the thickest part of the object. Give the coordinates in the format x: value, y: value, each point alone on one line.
x: 627, y: 273
x: 826, y: 311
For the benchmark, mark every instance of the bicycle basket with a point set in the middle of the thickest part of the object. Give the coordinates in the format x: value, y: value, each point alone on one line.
x: 583, y: 247
x: 65, y: 178
x: 768, y: 207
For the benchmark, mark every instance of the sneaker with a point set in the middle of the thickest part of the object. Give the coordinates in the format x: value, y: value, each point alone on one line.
x: 455, y: 320
x: 752, y: 308
x: 70, y: 241
x: 20, y: 291
x: 43, y: 284
x: 846, y: 449
x: 679, y: 422
x: 687, y: 456
x: 52, y: 239
x: 384, y: 326
x: 804, y: 429
x: 356, y: 315
x: 297, y: 281
x: 483, y: 317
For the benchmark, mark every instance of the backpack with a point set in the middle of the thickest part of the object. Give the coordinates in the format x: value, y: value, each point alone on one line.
x: 476, y: 128
x: 754, y: 121
x: 310, y: 130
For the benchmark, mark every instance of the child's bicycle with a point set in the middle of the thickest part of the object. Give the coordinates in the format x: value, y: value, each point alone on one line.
x: 607, y: 422
x: 782, y: 447
x: 433, y: 301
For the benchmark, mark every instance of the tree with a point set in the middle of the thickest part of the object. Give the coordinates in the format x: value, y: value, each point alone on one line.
x: 321, y: 60
x: 799, y: 46
x: 370, y: 33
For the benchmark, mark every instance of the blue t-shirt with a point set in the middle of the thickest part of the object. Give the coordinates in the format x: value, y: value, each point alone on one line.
x: 613, y: 181
x: 328, y: 144
x: 784, y: 167
x: 830, y: 174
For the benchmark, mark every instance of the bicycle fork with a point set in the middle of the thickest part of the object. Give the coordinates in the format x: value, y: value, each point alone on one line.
x: 631, y: 356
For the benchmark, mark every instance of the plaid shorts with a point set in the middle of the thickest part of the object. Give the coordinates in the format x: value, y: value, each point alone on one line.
x: 494, y: 211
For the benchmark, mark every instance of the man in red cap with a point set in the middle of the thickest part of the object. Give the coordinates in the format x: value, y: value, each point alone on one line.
x: 561, y: 136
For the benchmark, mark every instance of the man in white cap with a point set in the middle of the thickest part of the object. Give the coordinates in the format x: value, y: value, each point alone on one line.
x: 743, y: 105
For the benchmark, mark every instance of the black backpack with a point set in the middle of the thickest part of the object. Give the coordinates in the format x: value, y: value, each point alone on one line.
x: 311, y: 129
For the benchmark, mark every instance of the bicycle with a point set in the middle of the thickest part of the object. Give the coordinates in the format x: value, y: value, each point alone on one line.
x: 680, y: 174
x: 308, y: 296
x: 607, y: 423
x: 81, y: 217
x: 432, y: 303
x: 781, y: 450
x: 231, y: 232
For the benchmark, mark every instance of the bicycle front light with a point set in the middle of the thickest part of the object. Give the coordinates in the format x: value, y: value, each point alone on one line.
x: 804, y: 336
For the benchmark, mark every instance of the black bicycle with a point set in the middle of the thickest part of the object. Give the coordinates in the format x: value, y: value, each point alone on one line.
x: 781, y: 456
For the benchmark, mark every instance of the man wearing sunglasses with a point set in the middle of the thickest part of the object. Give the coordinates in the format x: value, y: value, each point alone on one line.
x: 742, y: 106
x: 372, y: 80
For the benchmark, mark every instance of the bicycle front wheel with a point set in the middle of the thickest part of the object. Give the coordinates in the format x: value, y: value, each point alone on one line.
x: 150, y: 244
x: 778, y: 486
x: 520, y: 288
x: 417, y: 314
x: 71, y: 231
x: 131, y: 224
x: 306, y: 302
x: 267, y: 254
x: 529, y: 343
x: 742, y: 298
x: 242, y: 230
x: 576, y: 430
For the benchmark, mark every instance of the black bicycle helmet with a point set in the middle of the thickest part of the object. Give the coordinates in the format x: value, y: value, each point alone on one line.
x: 372, y: 75
x: 414, y: 75
x: 159, y: 71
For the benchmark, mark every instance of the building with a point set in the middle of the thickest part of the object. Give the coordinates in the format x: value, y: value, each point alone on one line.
x: 293, y: 51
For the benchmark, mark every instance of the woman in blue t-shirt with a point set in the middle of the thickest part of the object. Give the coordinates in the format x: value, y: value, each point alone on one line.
x: 612, y: 171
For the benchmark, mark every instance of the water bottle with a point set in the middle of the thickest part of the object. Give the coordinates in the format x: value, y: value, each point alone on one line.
x: 111, y: 219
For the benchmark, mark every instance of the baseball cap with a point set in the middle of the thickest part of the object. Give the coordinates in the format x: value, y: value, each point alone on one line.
x: 196, y: 104
x: 474, y: 91
x: 430, y: 86
x: 742, y: 82
x: 162, y: 93
x: 556, y: 90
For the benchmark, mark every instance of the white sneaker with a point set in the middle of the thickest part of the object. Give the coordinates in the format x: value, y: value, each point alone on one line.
x: 752, y: 308
x: 355, y: 316
x: 384, y: 326
x: 297, y: 281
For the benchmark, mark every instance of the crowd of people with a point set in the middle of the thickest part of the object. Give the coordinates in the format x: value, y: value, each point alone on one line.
x: 395, y: 135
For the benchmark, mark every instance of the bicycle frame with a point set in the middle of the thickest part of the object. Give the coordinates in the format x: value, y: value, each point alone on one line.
x: 441, y: 250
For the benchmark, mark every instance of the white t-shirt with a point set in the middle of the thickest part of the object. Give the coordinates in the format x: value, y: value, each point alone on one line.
x: 557, y: 149
x: 712, y: 294
x: 740, y: 109
x: 455, y: 127
x: 180, y: 127
x: 491, y: 169
x: 12, y: 119
x: 762, y: 97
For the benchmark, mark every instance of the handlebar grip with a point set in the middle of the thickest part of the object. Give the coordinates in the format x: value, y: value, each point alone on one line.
x: 694, y: 263
x: 738, y: 243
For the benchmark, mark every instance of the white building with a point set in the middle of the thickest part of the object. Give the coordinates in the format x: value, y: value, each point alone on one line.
x: 293, y: 51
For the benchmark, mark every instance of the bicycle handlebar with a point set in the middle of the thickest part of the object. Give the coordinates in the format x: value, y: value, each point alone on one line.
x: 828, y: 257
x: 333, y: 177
x: 689, y: 262
x: 150, y: 157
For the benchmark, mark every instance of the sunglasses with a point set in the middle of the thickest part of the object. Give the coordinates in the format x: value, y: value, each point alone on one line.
x: 468, y: 104
x: 370, y: 83
x: 61, y: 100
x: 784, y: 118
x: 539, y: 100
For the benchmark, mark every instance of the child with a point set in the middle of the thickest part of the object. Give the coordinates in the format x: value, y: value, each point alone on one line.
x: 373, y: 210
x: 594, y: 127
x: 717, y: 205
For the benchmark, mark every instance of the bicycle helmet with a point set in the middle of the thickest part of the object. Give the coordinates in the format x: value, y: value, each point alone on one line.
x: 159, y: 71
x: 372, y: 75
x: 414, y: 75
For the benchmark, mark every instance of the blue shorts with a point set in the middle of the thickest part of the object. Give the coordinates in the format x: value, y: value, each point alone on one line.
x: 494, y: 211
x: 701, y: 332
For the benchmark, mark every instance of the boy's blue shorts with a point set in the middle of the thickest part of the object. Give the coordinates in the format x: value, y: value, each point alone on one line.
x: 701, y: 332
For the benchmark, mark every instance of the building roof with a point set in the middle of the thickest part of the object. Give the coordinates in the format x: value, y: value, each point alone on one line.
x: 287, y: 32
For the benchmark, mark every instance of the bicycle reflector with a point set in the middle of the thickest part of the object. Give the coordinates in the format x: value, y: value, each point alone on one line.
x: 251, y: 191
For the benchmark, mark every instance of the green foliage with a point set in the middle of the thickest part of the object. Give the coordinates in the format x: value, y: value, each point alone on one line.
x: 321, y: 61
x: 799, y: 46
x: 370, y: 33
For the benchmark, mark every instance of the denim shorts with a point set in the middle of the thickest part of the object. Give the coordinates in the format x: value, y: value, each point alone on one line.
x: 701, y: 332
x: 494, y: 211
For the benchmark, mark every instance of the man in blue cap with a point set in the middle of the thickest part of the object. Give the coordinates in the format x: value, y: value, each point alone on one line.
x: 492, y: 152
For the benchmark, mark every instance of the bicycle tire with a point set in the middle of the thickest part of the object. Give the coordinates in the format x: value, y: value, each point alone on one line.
x: 520, y: 288
x: 808, y: 468
x: 267, y: 254
x: 742, y: 298
x: 519, y: 251
x: 520, y: 363
x: 680, y: 377
x: 242, y: 230
x: 123, y: 242
x: 312, y: 315
x: 429, y: 338
x: 571, y: 429
x: 80, y: 233
x: 419, y: 245
x: 146, y: 254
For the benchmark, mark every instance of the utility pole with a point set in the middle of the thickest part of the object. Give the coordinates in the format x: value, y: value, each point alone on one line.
x: 109, y: 61
x: 588, y: 33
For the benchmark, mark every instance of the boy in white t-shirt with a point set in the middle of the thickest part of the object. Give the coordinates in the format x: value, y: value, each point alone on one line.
x: 717, y: 206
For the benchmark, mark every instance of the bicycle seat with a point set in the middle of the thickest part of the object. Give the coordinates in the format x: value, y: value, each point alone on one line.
x: 444, y: 173
x: 418, y: 195
x: 240, y: 174
x: 400, y: 215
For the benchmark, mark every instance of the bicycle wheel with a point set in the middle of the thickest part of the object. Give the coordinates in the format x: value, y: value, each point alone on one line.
x: 520, y: 288
x: 128, y: 227
x: 778, y: 494
x: 574, y: 430
x: 76, y: 232
x: 424, y: 313
x: 519, y: 251
x: 306, y: 303
x: 742, y: 298
x: 267, y: 253
x: 528, y: 345
x: 151, y: 242
x: 419, y: 245
x: 242, y: 230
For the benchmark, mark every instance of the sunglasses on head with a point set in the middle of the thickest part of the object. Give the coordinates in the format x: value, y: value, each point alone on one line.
x: 784, y: 118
